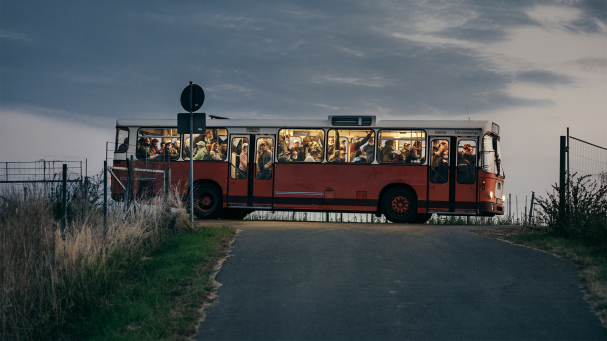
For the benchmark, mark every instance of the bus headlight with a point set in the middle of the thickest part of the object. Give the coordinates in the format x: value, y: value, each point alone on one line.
x: 490, y: 194
x: 503, y: 198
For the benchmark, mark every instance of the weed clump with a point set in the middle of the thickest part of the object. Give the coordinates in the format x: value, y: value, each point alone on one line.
x: 583, y: 214
x: 50, y: 275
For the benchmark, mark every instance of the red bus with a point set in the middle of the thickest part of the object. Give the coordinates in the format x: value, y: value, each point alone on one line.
x: 403, y: 169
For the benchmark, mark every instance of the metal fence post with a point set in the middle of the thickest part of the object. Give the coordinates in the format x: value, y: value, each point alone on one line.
x: 562, y: 179
x: 64, y: 198
x: 104, y: 197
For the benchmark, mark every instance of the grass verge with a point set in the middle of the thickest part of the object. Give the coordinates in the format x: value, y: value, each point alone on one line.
x: 590, y: 261
x: 161, y: 295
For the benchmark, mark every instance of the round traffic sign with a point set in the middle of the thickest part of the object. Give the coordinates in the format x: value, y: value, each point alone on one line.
x: 197, y: 97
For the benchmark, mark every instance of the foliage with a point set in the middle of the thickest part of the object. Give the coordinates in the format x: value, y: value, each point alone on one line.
x: 583, y: 215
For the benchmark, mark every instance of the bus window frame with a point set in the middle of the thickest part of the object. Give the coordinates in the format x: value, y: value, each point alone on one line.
x: 483, y: 166
x: 128, y: 134
x: 324, y: 148
x: 425, y: 155
x: 348, y: 143
x: 159, y: 142
x: 227, y: 140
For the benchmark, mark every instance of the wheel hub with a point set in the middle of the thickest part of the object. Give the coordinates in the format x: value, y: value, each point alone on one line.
x: 400, y: 204
x: 205, y: 202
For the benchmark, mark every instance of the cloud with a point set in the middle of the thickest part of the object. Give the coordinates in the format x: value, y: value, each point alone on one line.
x: 277, y: 59
x: 544, y: 78
x: 591, y: 63
x: 13, y: 36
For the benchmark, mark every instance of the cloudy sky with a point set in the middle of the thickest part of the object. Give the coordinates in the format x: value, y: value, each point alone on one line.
x: 69, y: 69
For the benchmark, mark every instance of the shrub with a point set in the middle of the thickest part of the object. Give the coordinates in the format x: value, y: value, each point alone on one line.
x: 584, y: 213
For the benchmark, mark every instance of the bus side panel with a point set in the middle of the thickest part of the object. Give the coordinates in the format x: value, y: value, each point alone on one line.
x: 465, y: 196
x: 342, y: 187
x: 213, y: 171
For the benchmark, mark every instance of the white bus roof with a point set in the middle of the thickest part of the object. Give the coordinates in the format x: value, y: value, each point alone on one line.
x: 485, y: 126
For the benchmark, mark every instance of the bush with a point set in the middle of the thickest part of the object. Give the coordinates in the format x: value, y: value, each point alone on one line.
x: 49, y: 275
x: 584, y: 213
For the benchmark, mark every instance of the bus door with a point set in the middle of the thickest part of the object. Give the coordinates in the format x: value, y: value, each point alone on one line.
x: 238, y: 179
x: 441, y: 180
x: 261, y: 183
x: 466, y: 179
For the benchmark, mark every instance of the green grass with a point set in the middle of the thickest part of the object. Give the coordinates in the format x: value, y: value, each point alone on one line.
x: 590, y: 261
x: 158, y: 296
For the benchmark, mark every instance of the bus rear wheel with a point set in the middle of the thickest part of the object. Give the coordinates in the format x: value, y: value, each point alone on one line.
x: 399, y: 205
x: 207, y: 202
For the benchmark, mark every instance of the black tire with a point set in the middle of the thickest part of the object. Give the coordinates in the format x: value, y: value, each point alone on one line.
x: 399, y: 205
x: 207, y: 201
x: 422, y: 218
x: 234, y: 213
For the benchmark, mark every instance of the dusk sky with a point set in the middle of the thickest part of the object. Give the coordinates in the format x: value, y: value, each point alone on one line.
x: 68, y: 70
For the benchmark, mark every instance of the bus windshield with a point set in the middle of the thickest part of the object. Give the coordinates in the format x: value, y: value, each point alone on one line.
x: 492, y: 161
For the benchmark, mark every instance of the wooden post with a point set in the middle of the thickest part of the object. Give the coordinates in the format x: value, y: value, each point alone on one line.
x: 531, y: 207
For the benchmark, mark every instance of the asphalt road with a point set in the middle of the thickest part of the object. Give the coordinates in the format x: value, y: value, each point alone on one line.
x: 332, y: 281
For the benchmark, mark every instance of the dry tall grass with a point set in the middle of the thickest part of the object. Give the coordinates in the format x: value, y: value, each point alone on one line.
x: 47, y: 275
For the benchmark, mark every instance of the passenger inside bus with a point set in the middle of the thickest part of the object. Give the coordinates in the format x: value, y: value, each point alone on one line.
x: 440, y: 164
x: 466, y: 162
x: 124, y: 147
x: 264, y: 161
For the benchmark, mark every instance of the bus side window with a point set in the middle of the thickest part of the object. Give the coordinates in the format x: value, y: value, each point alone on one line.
x: 122, y: 140
x: 300, y: 145
x: 439, y: 167
x: 466, y: 161
x: 240, y: 158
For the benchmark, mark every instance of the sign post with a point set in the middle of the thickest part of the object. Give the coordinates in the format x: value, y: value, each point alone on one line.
x: 192, y: 98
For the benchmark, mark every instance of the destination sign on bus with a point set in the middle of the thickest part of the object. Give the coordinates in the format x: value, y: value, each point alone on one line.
x: 453, y: 132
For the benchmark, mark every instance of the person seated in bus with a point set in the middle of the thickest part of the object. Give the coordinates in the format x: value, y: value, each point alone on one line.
x: 244, y: 159
x: 469, y: 154
x: 285, y: 157
x: 414, y: 156
x: 369, y: 150
x: 264, y: 162
x: 283, y: 145
x: 216, y: 152
x: 405, y: 150
x: 309, y: 146
x: 186, y: 149
x: 203, y: 151
x: 355, y: 146
x: 175, y: 150
x: 397, y: 156
x: 170, y: 151
x: 224, y: 150
x: 331, y: 145
x: 294, y: 156
x: 154, y: 148
x: 340, y: 156
x: 312, y: 157
x: 386, y: 152
x: 208, y: 138
x: 143, y: 153
x: 124, y: 146
x: 357, y: 156
x: 300, y: 154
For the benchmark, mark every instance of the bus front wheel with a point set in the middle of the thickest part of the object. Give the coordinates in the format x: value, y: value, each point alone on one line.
x: 399, y: 205
x: 207, y: 202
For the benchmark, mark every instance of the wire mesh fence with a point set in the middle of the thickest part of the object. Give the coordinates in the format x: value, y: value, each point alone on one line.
x: 39, y: 171
x: 587, y: 159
